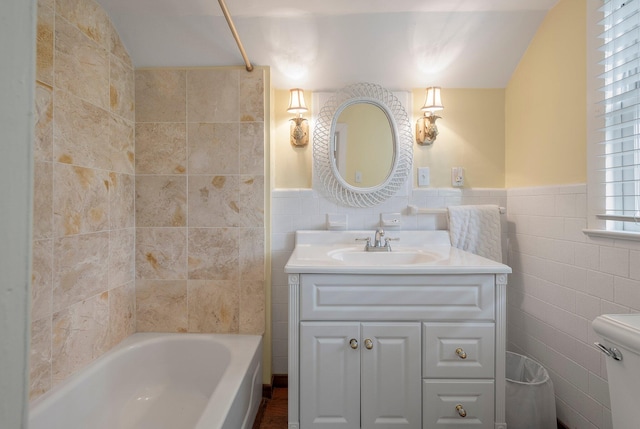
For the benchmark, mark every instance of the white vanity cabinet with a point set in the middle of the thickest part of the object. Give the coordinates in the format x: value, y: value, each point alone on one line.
x: 396, y: 351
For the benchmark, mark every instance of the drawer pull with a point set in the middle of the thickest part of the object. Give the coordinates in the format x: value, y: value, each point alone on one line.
x: 368, y: 344
x: 461, y: 411
x: 461, y: 354
x: 353, y: 343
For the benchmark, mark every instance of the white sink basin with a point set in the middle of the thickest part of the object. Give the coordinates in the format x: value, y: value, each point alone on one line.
x: 359, y: 257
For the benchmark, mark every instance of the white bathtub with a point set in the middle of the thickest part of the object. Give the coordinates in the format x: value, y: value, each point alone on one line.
x: 158, y: 381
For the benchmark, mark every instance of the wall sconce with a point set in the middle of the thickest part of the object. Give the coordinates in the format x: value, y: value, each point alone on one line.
x: 299, y: 128
x: 426, y: 128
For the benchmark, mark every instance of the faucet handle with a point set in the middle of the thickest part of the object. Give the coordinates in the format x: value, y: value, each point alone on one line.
x: 363, y: 239
x: 368, y: 242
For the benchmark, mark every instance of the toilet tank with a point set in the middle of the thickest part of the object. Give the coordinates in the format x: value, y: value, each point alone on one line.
x: 621, y: 342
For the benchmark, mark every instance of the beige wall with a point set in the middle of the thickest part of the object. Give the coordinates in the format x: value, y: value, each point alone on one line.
x: 200, y: 230
x: 83, y: 266
x: 546, y: 103
x: 471, y: 136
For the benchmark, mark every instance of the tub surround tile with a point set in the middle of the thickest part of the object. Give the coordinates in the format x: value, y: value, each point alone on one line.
x: 251, y: 254
x: 80, y: 268
x: 88, y: 17
x: 214, y: 201
x: 44, y: 43
x: 161, y: 253
x: 81, y: 65
x: 80, y: 200
x: 121, y: 145
x: 213, y: 95
x: 161, y: 148
x: 160, y: 95
x: 43, y: 130
x: 40, y: 358
x: 161, y: 306
x: 213, y: 254
x: 81, y: 132
x: 252, y: 307
x: 121, y: 257
x: 122, y: 306
x: 121, y: 90
x: 117, y: 48
x: 42, y: 200
x: 121, y: 200
x: 41, y: 279
x: 161, y: 201
x: 251, y: 210
x: 213, y: 148
x: 213, y: 306
x: 251, y: 107
x: 251, y: 146
x: 80, y: 334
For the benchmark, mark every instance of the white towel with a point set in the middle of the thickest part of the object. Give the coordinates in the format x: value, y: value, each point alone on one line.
x: 476, y: 229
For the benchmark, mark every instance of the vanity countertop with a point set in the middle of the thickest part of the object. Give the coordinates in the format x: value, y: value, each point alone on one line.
x: 414, y: 252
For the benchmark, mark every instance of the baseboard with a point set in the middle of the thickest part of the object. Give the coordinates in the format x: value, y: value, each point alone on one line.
x: 277, y: 380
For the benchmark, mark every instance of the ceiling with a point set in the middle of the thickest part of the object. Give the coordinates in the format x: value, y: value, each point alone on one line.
x: 327, y: 44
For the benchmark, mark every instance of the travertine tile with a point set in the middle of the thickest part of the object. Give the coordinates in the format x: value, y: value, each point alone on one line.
x: 122, y: 307
x: 81, y: 65
x: 88, y: 17
x: 212, y: 95
x: 81, y: 133
x: 161, y: 201
x: 161, y: 148
x: 117, y: 48
x: 41, y: 279
x: 252, y: 148
x: 213, y: 254
x: 122, y: 145
x: 48, y: 3
x: 214, y: 201
x: 252, y: 97
x: 251, y: 201
x: 121, y: 257
x: 121, y: 201
x: 43, y: 131
x: 80, y: 268
x: 80, y: 335
x: 121, y: 91
x: 44, y: 44
x: 161, y: 253
x: 251, y: 254
x: 42, y: 200
x: 161, y: 305
x: 252, y: 307
x: 160, y: 95
x: 80, y: 200
x: 213, y: 306
x: 40, y: 358
x: 213, y: 148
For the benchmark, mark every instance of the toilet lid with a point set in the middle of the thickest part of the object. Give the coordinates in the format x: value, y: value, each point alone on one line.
x: 620, y: 329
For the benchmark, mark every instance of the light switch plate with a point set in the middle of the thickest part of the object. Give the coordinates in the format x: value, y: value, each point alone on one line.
x: 423, y: 176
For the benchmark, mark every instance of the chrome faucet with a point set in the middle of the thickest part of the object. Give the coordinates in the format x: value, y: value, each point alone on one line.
x: 378, y: 245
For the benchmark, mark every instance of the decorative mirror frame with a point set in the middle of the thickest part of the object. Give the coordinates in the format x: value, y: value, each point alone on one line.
x: 326, y: 170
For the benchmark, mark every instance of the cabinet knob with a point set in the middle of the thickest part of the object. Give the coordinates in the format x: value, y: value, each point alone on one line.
x: 368, y: 344
x: 353, y: 343
x: 461, y: 411
x: 461, y: 353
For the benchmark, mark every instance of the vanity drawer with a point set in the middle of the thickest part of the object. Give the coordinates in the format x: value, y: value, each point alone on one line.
x: 396, y: 297
x: 458, y: 350
x: 445, y: 402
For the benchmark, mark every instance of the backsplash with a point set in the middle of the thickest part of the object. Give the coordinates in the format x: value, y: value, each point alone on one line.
x: 83, y: 234
x: 307, y: 209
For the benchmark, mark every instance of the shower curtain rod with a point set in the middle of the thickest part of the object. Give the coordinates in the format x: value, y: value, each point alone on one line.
x: 232, y: 27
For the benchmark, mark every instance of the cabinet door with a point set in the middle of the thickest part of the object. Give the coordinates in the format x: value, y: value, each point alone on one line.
x: 390, y: 376
x: 329, y: 375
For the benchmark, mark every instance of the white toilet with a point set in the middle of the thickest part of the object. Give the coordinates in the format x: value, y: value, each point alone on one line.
x: 621, y: 343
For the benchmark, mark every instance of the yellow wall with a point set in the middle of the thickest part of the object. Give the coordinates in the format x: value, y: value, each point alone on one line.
x: 471, y: 136
x: 545, y: 103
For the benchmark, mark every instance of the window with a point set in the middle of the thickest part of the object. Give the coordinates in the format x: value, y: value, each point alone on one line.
x: 617, y: 158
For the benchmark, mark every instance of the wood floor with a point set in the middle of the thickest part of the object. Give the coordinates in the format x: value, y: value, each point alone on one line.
x: 274, y: 414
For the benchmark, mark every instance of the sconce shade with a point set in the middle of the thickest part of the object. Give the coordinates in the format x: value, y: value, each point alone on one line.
x: 433, y: 102
x: 296, y: 101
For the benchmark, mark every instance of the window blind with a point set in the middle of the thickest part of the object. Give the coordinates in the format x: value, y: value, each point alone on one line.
x: 620, y: 159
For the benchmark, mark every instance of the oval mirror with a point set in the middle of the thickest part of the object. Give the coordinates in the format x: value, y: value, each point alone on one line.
x: 362, y: 145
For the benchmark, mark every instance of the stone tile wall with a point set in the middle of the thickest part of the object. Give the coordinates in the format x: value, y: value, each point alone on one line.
x: 200, y: 187
x: 83, y: 297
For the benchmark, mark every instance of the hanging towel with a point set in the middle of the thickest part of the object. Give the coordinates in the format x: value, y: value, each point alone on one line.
x: 476, y: 229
